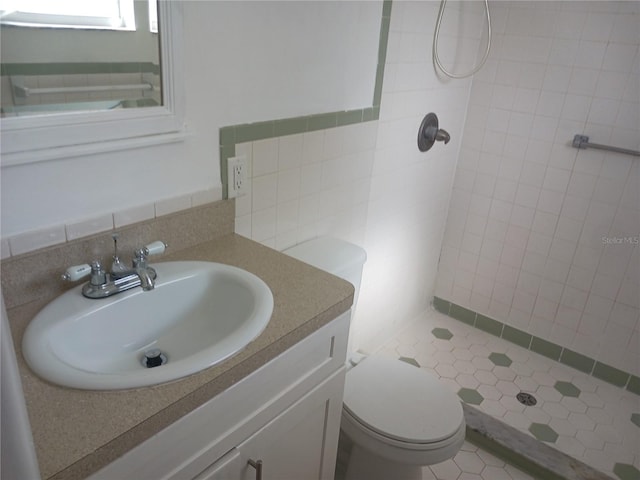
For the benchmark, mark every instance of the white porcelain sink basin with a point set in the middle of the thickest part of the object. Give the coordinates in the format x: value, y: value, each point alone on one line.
x: 199, y: 314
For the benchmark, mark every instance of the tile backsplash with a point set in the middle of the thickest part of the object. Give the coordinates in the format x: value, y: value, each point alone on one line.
x: 304, y: 185
x: 58, y: 234
x: 36, y: 274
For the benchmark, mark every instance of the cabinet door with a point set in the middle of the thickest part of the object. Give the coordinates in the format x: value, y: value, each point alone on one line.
x: 301, y: 443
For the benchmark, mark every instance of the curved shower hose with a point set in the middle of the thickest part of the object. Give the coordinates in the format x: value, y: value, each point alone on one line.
x: 436, y: 34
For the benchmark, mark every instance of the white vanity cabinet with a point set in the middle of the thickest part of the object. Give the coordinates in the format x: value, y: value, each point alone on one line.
x: 292, y: 446
x: 284, y: 418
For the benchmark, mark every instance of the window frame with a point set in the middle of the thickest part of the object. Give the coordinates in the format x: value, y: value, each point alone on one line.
x: 53, y: 136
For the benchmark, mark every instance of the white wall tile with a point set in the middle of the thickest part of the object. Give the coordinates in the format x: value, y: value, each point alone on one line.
x: 28, y: 242
x: 290, y: 150
x: 288, y: 187
x: 5, y: 249
x: 264, y: 191
x: 263, y: 224
x: 90, y: 226
x: 172, y: 205
x: 265, y: 157
x: 133, y: 215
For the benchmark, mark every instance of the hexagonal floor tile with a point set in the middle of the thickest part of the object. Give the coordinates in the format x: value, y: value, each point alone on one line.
x: 410, y: 361
x: 442, y: 333
x: 635, y: 418
x: 543, y: 432
x: 470, y: 396
x: 500, y: 359
x: 567, y: 389
x: 624, y: 471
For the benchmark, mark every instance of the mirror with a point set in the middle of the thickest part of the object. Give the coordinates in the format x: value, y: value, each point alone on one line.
x: 67, y: 56
x: 78, y: 129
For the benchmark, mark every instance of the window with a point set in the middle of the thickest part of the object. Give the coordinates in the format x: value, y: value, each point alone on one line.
x: 153, y: 16
x: 95, y: 14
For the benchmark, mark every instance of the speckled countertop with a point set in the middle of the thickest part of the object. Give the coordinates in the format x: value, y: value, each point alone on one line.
x: 78, y: 432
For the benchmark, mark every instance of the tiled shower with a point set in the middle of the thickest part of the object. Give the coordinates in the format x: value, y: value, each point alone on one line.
x: 542, y: 236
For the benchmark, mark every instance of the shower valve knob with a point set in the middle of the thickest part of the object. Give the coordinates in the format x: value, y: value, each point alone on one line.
x: 429, y: 133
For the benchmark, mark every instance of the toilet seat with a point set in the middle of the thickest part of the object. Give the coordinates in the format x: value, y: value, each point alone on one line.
x: 401, y: 405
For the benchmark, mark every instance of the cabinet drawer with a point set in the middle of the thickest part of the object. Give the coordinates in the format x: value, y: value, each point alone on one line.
x: 194, y: 442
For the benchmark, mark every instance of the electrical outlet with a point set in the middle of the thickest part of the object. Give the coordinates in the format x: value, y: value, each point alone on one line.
x: 236, y: 176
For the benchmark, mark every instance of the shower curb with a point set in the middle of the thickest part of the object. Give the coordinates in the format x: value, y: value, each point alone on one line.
x: 520, y: 450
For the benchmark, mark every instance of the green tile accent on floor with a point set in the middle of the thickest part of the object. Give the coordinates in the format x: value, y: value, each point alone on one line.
x: 489, y: 325
x: 543, y: 432
x: 635, y: 419
x: 610, y: 374
x: 625, y: 471
x: 567, y: 389
x: 577, y: 360
x: 442, y: 333
x: 249, y: 132
x: 541, y: 346
x: 470, y: 396
x: 463, y: 314
x: 500, y: 359
x: 410, y: 361
x: 546, y: 348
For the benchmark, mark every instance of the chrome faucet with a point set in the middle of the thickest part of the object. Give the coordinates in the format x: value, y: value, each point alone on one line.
x: 102, y: 284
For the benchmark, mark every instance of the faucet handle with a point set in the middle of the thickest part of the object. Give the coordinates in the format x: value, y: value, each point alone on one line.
x: 76, y: 272
x: 140, y: 255
x: 154, y: 248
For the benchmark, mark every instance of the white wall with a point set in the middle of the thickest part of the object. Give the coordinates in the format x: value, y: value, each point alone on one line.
x: 410, y: 190
x: 244, y: 62
x: 530, y: 216
x: 368, y: 183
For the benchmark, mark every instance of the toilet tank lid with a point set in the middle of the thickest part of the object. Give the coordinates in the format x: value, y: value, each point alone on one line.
x: 329, y: 254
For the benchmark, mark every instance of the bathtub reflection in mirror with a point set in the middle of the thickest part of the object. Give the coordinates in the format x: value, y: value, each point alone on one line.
x: 58, y: 57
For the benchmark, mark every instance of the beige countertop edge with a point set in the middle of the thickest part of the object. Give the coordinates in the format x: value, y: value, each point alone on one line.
x: 305, y: 299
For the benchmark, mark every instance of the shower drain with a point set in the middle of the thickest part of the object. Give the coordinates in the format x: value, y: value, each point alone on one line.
x: 526, y: 399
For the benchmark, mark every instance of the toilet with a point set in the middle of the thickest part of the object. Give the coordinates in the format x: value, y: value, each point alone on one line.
x: 399, y: 417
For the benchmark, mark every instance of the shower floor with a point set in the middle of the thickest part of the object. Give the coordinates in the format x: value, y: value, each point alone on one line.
x: 579, y: 415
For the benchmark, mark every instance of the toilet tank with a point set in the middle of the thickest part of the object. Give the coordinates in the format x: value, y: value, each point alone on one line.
x: 338, y: 257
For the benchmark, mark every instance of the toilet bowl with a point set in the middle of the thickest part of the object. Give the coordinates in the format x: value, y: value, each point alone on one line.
x: 398, y: 416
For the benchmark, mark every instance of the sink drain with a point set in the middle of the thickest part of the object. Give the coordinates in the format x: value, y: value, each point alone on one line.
x: 153, y: 358
x: 526, y: 399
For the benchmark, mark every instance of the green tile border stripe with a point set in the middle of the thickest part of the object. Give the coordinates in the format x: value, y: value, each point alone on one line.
x: 553, y: 351
x: 249, y: 132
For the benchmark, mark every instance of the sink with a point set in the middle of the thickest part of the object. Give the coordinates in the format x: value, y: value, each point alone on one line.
x: 198, y: 315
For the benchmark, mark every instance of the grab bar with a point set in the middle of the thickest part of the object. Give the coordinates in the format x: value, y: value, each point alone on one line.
x: 582, y: 141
